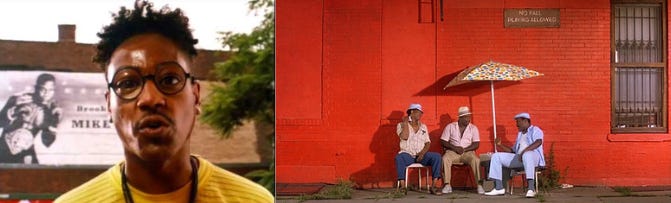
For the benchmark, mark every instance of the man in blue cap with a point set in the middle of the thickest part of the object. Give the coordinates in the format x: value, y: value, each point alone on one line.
x: 414, y: 144
x: 527, y: 152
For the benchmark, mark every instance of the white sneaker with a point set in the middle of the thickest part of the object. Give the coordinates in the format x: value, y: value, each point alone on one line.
x: 531, y: 194
x: 481, y: 190
x: 496, y: 192
x: 447, y: 189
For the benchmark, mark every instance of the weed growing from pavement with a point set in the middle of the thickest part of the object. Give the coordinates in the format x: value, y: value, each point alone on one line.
x: 388, y: 195
x: 540, y: 197
x: 624, y: 191
x: 342, y: 190
x: 549, y: 178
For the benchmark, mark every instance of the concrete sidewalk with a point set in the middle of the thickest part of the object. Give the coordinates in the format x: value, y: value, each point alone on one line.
x: 576, y: 194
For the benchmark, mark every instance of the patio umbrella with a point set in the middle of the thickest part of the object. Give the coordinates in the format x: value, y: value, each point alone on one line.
x: 492, y: 71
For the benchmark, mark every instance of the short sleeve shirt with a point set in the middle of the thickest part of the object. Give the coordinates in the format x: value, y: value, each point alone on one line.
x: 416, y: 140
x: 452, y: 135
x: 533, y: 133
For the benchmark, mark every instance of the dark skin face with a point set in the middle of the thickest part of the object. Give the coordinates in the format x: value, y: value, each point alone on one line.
x: 154, y: 127
x: 416, y: 114
x: 522, y: 124
x: 464, y: 120
x: 44, y: 92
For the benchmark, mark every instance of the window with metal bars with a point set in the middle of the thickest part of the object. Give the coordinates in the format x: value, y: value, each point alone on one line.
x: 638, y: 68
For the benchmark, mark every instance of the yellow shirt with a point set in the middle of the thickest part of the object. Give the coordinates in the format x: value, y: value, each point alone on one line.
x: 214, y: 185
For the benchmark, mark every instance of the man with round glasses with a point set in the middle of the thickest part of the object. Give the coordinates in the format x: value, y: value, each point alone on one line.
x: 169, y: 79
x: 153, y: 101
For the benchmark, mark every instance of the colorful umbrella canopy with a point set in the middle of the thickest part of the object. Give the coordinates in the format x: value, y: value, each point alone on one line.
x: 492, y: 71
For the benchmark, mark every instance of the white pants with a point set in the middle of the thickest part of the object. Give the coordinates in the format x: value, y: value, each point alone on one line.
x: 504, y: 159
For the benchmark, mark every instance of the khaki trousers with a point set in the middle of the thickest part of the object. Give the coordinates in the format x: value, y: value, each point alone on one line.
x: 469, y: 158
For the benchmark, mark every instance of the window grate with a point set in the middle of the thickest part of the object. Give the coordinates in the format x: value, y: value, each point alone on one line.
x: 639, y: 68
x: 638, y: 97
x: 638, y: 34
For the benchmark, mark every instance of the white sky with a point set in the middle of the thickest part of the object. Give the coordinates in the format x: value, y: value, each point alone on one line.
x: 38, y: 20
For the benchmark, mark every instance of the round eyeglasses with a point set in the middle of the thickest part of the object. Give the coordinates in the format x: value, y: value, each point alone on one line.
x: 169, y: 78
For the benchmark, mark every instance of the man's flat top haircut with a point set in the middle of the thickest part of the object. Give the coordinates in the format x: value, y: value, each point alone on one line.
x: 44, y: 77
x: 172, y: 24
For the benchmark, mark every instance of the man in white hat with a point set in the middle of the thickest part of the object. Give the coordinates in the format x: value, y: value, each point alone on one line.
x: 527, y: 152
x: 460, y: 139
x: 414, y: 143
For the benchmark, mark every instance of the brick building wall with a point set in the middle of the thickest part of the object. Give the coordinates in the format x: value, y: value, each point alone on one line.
x: 68, y: 56
x: 362, y: 62
x: 246, y: 150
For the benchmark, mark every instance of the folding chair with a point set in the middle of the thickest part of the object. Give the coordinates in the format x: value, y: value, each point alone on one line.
x: 419, y: 172
x: 520, y: 172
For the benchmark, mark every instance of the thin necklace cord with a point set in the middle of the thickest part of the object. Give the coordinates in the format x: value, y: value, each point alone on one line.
x: 128, y: 197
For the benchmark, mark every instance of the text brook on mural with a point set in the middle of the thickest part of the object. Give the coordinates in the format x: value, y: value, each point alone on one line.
x: 99, y: 108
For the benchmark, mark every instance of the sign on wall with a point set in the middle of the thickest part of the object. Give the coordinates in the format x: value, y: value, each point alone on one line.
x: 524, y: 18
x: 56, y: 118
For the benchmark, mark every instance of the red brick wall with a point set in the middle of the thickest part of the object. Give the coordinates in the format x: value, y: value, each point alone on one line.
x: 375, y: 59
x: 303, y: 44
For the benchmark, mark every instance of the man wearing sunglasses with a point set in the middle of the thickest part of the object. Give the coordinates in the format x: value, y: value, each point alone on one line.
x: 153, y: 102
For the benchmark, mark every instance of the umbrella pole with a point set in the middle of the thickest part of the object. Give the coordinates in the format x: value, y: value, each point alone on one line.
x: 493, y: 112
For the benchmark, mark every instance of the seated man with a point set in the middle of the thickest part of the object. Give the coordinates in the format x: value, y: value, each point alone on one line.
x: 415, y: 144
x: 460, y: 139
x: 527, y: 153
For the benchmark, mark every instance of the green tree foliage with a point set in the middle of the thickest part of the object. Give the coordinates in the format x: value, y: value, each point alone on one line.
x: 265, y: 178
x: 249, y: 75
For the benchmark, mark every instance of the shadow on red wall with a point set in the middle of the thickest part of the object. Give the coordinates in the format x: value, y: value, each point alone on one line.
x: 468, y: 89
x: 500, y: 132
x: 436, y: 133
x: 385, y: 146
x: 436, y: 88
